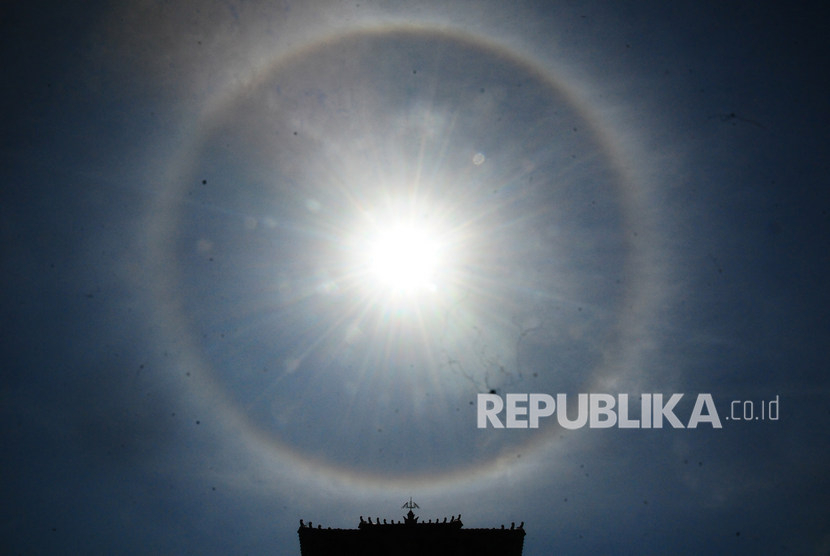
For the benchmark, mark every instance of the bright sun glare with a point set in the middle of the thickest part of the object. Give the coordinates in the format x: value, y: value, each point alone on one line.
x: 405, y: 259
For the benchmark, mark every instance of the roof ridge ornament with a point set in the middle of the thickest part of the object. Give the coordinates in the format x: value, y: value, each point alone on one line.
x: 411, y: 518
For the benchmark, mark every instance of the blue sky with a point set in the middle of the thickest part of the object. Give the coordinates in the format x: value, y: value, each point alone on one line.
x: 204, y: 344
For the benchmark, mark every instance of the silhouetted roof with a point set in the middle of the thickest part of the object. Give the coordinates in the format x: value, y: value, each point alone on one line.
x: 411, y: 537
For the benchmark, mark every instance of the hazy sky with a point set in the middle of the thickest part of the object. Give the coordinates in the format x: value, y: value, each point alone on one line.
x: 260, y: 258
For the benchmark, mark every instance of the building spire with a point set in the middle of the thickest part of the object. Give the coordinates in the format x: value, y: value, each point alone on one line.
x: 411, y: 518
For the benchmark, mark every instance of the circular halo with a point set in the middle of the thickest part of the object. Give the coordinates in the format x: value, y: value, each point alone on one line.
x: 474, y: 277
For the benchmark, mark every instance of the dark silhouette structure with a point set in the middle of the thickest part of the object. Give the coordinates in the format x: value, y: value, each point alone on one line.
x: 410, y: 537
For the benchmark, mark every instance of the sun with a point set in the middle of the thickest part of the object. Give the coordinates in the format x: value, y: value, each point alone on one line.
x: 404, y: 259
